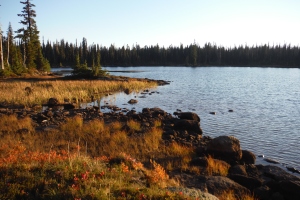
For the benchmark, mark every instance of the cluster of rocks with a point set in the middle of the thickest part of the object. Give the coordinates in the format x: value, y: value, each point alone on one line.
x: 265, y: 182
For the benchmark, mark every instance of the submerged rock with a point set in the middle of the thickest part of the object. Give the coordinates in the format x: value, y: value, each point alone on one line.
x: 132, y: 101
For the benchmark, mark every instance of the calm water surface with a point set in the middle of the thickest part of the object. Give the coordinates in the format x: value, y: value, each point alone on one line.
x: 266, y: 103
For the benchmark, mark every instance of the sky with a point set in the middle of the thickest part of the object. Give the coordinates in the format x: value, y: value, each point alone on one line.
x: 225, y: 23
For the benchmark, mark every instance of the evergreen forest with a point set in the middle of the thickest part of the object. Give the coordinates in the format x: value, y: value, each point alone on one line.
x: 22, y: 51
x: 64, y: 53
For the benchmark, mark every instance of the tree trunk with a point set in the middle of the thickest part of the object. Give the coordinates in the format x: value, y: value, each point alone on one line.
x: 1, y: 51
x: 7, y: 51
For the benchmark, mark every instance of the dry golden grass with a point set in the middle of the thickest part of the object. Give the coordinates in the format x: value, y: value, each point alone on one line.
x: 69, y: 151
x: 152, y: 139
x: 134, y: 125
x: 64, y: 174
x: 77, y: 89
x: 231, y: 195
x: 11, y: 124
x: 157, y: 123
x: 97, y: 138
x: 217, y: 167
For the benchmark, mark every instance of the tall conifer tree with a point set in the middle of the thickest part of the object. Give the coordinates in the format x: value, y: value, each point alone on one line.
x: 29, y: 35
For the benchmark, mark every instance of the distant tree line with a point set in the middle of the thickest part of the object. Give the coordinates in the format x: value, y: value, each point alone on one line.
x: 23, y: 53
x: 64, y: 54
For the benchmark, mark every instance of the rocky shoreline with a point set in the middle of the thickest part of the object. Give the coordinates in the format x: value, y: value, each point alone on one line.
x: 244, y: 176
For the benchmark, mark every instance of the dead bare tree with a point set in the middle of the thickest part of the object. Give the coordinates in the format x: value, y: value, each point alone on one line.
x: 1, y: 50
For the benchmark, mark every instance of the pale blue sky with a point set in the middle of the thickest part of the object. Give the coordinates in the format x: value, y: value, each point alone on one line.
x: 163, y: 22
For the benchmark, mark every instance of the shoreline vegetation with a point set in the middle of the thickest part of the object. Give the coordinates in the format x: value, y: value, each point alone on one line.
x: 36, y: 91
x: 87, y: 154
x: 74, y: 153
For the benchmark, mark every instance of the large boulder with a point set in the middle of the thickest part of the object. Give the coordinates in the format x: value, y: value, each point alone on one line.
x: 248, y: 182
x: 225, y: 148
x: 282, y: 182
x: 52, y: 102
x: 290, y: 189
x: 157, y: 112
x: 189, y: 116
x: 238, y: 170
x: 278, y: 174
x: 188, y: 125
x: 132, y: 101
x: 248, y: 157
x: 217, y: 185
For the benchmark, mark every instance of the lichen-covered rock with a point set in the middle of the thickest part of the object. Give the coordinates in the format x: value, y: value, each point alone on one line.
x: 194, y: 193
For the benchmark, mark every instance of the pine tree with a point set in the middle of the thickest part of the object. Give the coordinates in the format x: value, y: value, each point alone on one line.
x: 29, y: 35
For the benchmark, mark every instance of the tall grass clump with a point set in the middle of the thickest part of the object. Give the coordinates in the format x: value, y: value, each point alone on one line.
x: 11, y: 124
x: 217, y: 167
x: 231, y: 195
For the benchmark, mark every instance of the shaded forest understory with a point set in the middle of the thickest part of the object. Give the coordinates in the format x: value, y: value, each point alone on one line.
x: 63, y: 54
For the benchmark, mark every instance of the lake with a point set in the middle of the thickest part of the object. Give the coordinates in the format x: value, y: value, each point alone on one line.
x: 265, y: 103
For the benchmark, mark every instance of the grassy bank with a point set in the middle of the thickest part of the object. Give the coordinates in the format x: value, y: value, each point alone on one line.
x: 29, y: 93
x: 90, y: 160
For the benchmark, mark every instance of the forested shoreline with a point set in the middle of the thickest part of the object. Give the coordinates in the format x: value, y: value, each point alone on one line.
x: 63, y: 53
x: 22, y: 52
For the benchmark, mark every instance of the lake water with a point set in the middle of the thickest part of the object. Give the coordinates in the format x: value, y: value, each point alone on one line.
x: 265, y: 103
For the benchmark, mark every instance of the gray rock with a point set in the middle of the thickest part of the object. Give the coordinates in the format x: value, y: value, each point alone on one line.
x: 248, y: 157
x: 132, y: 101
x: 290, y: 189
x: 269, y: 160
x: 248, y: 182
x: 194, y: 193
x: 226, y: 148
x: 52, y: 102
x: 238, y: 170
x: 189, y: 125
x: 278, y: 174
x: 199, y: 161
x: 189, y: 116
x: 217, y: 185
x: 262, y: 192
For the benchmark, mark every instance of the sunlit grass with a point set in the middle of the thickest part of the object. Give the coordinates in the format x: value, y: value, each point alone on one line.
x: 231, y: 195
x: 11, y: 124
x: 73, y: 161
x: 65, y: 175
x: 82, y: 90
x: 217, y: 167
x: 134, y: 125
